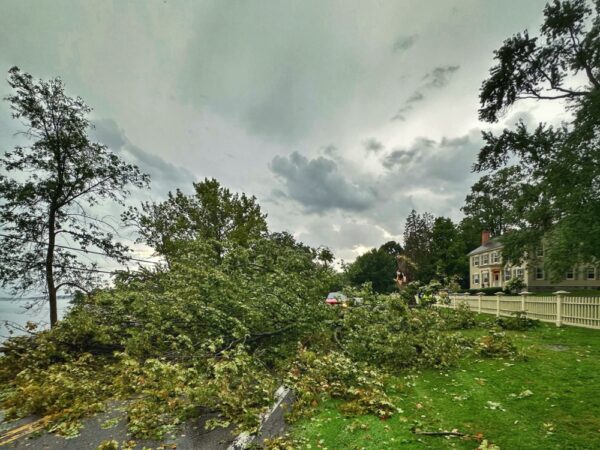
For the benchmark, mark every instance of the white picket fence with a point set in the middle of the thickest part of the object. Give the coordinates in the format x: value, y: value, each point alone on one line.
x: 559, y: 308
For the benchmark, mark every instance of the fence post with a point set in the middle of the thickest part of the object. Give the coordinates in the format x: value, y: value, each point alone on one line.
x: 559, y: 302
x: 523, y: 295
x: 450, y: 298
x: 479, y: 294
x: 498, y: 294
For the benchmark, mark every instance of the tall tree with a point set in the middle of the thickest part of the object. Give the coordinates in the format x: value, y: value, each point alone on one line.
x: 393, y: 248
x: 492, y: 197
x: 450, y: 244
x: 417, y: 243
x: 560, y: 166
x: 376, y: 266
x: 45, y: 203
x: 213, y: 213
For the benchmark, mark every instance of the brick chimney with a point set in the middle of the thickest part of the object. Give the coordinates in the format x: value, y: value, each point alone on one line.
x: 485, y: 237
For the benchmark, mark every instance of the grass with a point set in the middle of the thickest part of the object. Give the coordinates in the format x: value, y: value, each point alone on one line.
x: 550, y: 400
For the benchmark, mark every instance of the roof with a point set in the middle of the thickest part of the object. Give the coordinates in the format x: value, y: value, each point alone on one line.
x: 492, y: 244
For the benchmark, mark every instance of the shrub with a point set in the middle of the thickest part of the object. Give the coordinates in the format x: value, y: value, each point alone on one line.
x: 459, y: 318
x: 518, y: 321
x: 496, y: 345
x: 514, y: 285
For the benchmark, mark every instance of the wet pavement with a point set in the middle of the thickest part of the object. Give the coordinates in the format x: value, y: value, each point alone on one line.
x: 112, y: 425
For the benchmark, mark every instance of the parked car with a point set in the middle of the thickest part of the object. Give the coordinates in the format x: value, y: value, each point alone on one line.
x: 336, y: 298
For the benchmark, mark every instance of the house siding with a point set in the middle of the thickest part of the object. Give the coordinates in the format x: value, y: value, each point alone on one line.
x: 486, y: 271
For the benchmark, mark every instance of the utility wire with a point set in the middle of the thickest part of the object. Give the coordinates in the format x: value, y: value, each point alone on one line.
x: 81, y: 269
x: 79, y: 249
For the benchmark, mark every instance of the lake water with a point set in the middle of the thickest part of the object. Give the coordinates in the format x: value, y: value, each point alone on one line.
x: 13, y: 310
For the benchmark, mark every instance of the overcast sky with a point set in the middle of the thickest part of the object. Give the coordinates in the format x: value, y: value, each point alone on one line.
x: 340, y: 117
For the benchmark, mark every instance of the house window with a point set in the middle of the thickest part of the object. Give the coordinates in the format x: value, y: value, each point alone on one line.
x: 495, y: 257
x: 485, y: 259
x: 476, y: 278
x: 475, y: 260
x: 519, y: 273
x: 570, y: 275
x: 591, y: 273
x: 486, y: 277
x: 506, y: 274
x: 539, y: 273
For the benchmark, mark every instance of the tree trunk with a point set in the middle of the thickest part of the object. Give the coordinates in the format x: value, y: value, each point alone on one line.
x: 50, y: 266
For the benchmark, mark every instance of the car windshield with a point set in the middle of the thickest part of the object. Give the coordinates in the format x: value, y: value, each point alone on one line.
x: 337, y: 295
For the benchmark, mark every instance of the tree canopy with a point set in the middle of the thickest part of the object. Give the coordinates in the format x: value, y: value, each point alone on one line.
x: 546, y: 177
x: 376, y: 266
x: 212, y: 213
x: 417, y: 243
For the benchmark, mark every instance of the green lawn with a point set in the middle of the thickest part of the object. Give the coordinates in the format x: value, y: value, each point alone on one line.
x: 551, y: 400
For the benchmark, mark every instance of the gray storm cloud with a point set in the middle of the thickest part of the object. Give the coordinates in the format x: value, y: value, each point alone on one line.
x: 165, y: 176
x: 373, y: 145
x: 403, y: 43
x: 319, y: 185
x: 428, y: 175
x: 438, y: 78
x: 219, y: 89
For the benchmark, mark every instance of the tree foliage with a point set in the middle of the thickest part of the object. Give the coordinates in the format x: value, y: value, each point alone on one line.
x: 209, y: 331
x: 417, y: 243
x: 547, y: 176
x: 544, y: 67
x: 377, y: 266
x: 449, y: 250
x: 212, y: 213
x: 490, y: 202
x: 53, y: 182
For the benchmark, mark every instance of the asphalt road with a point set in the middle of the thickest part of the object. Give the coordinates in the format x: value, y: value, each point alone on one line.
x: 192, y: 435
x: 112, y: 425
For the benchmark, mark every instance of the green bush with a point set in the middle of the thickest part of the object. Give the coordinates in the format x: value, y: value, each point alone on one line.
x: 459, y: 318
x: 514, y: 285
x: 496, y: 345
x: 518, y: 321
